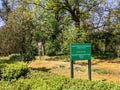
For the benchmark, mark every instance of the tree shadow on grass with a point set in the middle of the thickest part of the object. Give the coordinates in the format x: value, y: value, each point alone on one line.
x: 3, y: 61
x: 114, y: 61
x: 51, y: 59
x: 56, y: 58
x: 42, y: 69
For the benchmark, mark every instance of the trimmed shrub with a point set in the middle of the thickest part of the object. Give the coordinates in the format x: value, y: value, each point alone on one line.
x: 29, y: 54
x: 15, y: 57
x: 11, y: 79
x: 37, y: 80
x: 13, y: 71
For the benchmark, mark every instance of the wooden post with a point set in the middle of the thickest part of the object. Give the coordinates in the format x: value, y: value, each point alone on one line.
x: 42, y: 50
x: 89, y: 70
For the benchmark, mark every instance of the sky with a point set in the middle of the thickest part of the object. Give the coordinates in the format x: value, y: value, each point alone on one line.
x: 1, y: 21
x: 0, y: 4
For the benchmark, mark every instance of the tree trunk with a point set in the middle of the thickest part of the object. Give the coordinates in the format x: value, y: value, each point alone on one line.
x: 77, y: 14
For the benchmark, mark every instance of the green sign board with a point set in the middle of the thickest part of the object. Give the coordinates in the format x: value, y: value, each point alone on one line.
x: 80, y: 51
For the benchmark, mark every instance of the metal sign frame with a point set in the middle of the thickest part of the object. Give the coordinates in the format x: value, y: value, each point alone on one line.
x: 80, y: 51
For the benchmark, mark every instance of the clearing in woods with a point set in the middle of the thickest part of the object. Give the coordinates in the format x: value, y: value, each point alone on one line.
x: 106, y: 70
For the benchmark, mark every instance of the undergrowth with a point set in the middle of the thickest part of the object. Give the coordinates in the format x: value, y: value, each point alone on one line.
x: 39, y: 80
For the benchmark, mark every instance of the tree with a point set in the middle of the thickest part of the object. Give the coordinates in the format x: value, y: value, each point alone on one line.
x: 58, y: 23
x: 17, y: 34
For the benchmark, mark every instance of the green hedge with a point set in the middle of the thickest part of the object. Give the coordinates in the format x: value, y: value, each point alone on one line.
x: 15, y: 57
x: 29, y: 55
x: 15, y: 70
x: 14, y: 75
x: 37, y: 80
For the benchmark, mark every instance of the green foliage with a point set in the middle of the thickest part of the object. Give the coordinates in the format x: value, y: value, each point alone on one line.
x: 37, y: 80
x: 10, y: 71
x: 71, y: 36
x: 57, y: 23
x: 51, y: 48
x: 103, y: 46
x: 17, y: 34
x: 101, y: 71
x: 80, y: 69
x: 29, y: 54
x: 15, y: 57
x: 87, y: 85
x: 60, y: 67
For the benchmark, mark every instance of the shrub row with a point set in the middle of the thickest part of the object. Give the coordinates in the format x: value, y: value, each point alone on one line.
x: 15, y: 70
x: 15, y: 57
x: 37, y: 80
x: 22, y: 57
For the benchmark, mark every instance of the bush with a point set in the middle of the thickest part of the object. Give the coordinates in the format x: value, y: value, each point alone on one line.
x: 58, y: 82
x: 13, y: 71
x: 37, y: 80
x: 15, y: 57
x: 29, y: 54
x: 50, y: 48
x: 28, y: 57
x: 72, y: 35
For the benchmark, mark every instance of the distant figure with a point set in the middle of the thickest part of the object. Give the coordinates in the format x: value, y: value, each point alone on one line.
x: 40, y: 49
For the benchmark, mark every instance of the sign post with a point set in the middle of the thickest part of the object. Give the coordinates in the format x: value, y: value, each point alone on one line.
x: 72, y: 71
x: 89, y: 69
x: 80, y: 52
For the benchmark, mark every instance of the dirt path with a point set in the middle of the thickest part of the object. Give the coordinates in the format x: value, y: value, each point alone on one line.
x: 101, y: 70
